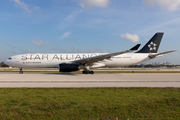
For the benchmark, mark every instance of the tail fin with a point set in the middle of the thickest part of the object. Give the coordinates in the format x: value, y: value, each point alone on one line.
x: 153, y: 44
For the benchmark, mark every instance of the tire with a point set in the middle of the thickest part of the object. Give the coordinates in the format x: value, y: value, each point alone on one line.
x: 21, y: 72
x: 91, y: 72
x: 86, y: 72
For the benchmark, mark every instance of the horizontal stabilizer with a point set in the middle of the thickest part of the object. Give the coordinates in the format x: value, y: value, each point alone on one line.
x: 155, y: 55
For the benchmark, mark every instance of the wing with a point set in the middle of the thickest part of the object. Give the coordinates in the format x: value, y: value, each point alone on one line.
x: 155, y: 55
x: 103, y: 57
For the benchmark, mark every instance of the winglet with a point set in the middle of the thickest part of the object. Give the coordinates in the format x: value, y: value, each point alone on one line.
x: 135, y: 47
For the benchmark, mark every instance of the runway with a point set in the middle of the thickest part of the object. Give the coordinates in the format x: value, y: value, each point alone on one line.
x: 70, y: 80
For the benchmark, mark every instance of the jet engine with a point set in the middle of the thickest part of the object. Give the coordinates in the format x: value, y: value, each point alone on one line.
x: 68, y: 67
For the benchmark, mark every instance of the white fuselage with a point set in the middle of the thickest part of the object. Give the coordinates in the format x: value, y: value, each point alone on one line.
x: 53, y: 60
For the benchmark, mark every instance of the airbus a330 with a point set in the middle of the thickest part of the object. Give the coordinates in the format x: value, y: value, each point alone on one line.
x: 86, y: 61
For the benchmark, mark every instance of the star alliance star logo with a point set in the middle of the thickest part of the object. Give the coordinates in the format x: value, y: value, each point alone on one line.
x: 152, y: 46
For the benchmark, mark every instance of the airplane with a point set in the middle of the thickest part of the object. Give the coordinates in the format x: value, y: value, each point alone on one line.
x: 86, y: 61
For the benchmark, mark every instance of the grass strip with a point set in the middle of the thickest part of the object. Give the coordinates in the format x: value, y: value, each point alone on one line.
x: 90, y: 103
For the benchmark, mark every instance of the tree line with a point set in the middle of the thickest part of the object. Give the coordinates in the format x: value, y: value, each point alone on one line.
x: 2, y: 64
x: 151, y: 66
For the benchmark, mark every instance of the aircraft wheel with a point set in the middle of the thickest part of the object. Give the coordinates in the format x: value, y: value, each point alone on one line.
x: 86, y: 72
x: 21, y: 72
x: 91, y: 72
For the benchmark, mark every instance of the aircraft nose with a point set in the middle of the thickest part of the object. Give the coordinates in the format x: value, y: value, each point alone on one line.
x: 5, y: 61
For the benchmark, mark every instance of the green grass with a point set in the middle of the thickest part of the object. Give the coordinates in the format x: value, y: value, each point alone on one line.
x: 90, y: 103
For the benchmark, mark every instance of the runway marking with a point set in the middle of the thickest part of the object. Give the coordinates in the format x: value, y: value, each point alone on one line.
x: 79, y: 81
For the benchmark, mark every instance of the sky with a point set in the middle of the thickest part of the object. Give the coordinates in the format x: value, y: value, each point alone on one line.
x: 76, y: 26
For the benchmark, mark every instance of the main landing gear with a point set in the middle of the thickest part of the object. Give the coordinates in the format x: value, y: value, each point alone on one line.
x: 87, y: 70
x: 20, y: 72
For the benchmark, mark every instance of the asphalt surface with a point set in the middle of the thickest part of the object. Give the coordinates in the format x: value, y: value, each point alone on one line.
x: 71, y: 80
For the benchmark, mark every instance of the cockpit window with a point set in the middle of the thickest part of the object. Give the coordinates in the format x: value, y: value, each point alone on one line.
x: 9, y: 58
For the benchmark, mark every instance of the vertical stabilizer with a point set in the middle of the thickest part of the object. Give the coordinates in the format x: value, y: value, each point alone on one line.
x: 153, y: 44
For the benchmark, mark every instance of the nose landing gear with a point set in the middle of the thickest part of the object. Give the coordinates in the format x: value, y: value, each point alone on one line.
x: 20, y: 72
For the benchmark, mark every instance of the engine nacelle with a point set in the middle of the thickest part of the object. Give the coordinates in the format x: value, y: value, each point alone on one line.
x: 68, y: 67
